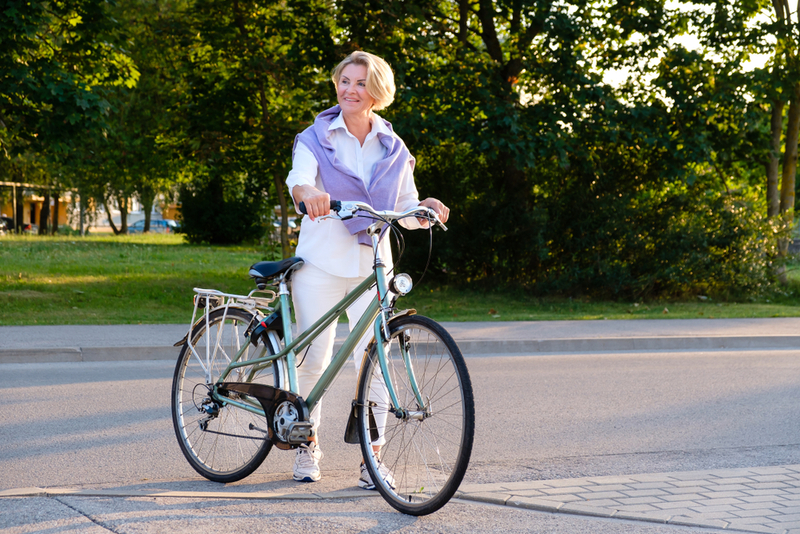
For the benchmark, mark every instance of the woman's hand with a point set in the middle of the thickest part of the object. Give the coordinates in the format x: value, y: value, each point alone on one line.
x: 318, y: 203
x: 437, y: 206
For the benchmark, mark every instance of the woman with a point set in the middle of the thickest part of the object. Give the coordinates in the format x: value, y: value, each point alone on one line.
x: 349, y: 153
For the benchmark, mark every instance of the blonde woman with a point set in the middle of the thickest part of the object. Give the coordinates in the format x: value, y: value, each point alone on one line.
x: 349, y: 153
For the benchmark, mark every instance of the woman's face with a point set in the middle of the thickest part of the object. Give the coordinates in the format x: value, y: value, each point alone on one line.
x: 352, y: 90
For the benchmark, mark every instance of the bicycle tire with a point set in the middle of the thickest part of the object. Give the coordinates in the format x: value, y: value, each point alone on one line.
x: 234, y: 443
x: 427, y: 457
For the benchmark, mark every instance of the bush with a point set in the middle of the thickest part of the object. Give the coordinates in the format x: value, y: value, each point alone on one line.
x: 219, y: 211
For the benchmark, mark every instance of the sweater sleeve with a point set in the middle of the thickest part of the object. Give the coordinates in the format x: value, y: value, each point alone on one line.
x: 304, y: 168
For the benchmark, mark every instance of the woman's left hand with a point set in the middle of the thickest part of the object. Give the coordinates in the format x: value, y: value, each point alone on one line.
x: 438, y: 206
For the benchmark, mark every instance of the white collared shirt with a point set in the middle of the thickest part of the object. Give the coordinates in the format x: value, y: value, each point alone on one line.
x: 328, y: 244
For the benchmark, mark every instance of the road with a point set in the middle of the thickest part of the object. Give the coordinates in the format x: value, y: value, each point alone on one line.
x: 108, y: 425
x: 538, y: 417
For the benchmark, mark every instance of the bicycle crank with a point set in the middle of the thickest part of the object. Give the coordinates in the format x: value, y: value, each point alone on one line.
x: 288, y: 424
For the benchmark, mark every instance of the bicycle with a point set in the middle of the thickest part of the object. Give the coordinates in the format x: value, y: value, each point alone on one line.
x: 234, y: 389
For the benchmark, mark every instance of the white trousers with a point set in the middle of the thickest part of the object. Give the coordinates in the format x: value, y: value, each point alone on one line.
x: 314, y: 292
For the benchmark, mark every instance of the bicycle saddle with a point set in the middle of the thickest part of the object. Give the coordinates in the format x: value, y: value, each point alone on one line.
x: 264, y: 271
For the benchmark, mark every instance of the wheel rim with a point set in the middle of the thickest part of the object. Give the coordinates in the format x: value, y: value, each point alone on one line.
x: 424, y: 456
x: 235, y: 438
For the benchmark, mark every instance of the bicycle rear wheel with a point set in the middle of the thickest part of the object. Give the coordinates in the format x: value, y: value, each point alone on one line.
x: 424, y: 455
x: 221, y: 442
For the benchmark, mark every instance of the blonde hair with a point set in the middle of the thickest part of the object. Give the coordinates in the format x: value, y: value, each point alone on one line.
x: 380, y: 78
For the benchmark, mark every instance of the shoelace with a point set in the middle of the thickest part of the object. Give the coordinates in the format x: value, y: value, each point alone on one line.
x: 306, y: 456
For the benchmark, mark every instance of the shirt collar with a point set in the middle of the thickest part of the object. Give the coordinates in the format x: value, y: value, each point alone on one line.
x: 378, y: 126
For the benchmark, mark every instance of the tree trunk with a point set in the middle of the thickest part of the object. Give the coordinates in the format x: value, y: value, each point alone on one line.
x: 56, y: 213
x: 284, y: 215
x: 788, y: 175
x: 123, y: 214
x: 44, y: 214
x: 110, y: 219
x: 773, y: 165
x: 790, y: 156
x: 147, y: 197
x: 20, y: 214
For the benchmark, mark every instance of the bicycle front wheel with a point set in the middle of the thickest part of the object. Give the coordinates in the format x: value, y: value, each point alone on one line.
x: 222, y: 442
x: 417, y: 459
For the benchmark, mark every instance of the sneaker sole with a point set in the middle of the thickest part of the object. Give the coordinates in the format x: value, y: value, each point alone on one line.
x: 306, y: 479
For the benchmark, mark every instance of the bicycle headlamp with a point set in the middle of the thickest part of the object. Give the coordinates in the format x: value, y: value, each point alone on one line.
x: 401, y: 284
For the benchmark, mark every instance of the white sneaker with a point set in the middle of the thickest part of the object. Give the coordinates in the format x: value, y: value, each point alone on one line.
x: 365, y: 481
x: 306, y: 463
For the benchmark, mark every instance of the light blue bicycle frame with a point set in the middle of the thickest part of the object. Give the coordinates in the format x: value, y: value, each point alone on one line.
x: 376, y: 315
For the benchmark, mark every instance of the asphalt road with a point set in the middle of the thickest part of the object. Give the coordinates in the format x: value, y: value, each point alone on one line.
x: 108, y: 425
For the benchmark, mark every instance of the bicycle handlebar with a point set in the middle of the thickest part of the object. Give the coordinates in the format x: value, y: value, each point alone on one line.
x: 336, y: 205
x: 349, y: 209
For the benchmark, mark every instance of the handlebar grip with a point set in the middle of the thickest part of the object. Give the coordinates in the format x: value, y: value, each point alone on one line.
x: 336, y: 205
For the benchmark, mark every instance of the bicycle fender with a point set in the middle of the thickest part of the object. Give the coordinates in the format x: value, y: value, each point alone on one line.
x: 351, y: 430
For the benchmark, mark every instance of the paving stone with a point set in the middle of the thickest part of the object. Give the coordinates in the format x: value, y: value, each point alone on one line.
x: 645, y: 493
x: 657, y: 477
x: 603, y: 503
x: 684, y: 497
x: 785, y: 517
x: 750, y: 527
x: 687, y: 483
x: 694, y: 475
x: 768, y: 485
x: 612, y: 480
x: 714, y: 509
x: 760, y: 512
x: 765, y: 506
x: 688, y: 490
x: 565, y: 490
x: 726, y: 487
x: 772, y: 492
x: 770, y: 470
x: 628, y: 501
x: 724, y: 500
x: 607, y: 487
x: 730, y: 481
x: 570, y: 482
x: 592, y: 496
x: 689, y: 505
x: 647, y: 485
x: 773, y: 478
x: 724, y: 494
x: 760, y: 498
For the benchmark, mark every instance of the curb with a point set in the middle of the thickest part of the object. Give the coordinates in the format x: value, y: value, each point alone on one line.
x: 468, y: 348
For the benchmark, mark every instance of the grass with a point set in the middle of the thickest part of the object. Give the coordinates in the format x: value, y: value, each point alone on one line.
x: 149, y: 279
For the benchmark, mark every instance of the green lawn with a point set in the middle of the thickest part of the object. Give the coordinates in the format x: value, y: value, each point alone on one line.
x: 149, y: 279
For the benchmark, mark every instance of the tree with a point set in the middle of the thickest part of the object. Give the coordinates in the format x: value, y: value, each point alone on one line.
x: 254, y: 74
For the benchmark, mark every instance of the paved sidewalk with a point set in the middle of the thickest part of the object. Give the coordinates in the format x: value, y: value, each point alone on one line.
x: 21, y: 344
x: 759, y: 499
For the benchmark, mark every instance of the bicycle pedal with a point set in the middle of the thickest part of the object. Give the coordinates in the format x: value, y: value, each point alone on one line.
x: 300, y: 432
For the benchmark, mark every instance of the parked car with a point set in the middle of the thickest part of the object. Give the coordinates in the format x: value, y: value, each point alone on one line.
x: 157, y: 226
x: 6, y: 224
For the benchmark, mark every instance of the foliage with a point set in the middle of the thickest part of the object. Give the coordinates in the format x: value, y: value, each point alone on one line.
x: 107, y: 279
x: 253, y: 75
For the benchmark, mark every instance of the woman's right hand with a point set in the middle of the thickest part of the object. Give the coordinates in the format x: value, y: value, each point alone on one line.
x: 318, y: 203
